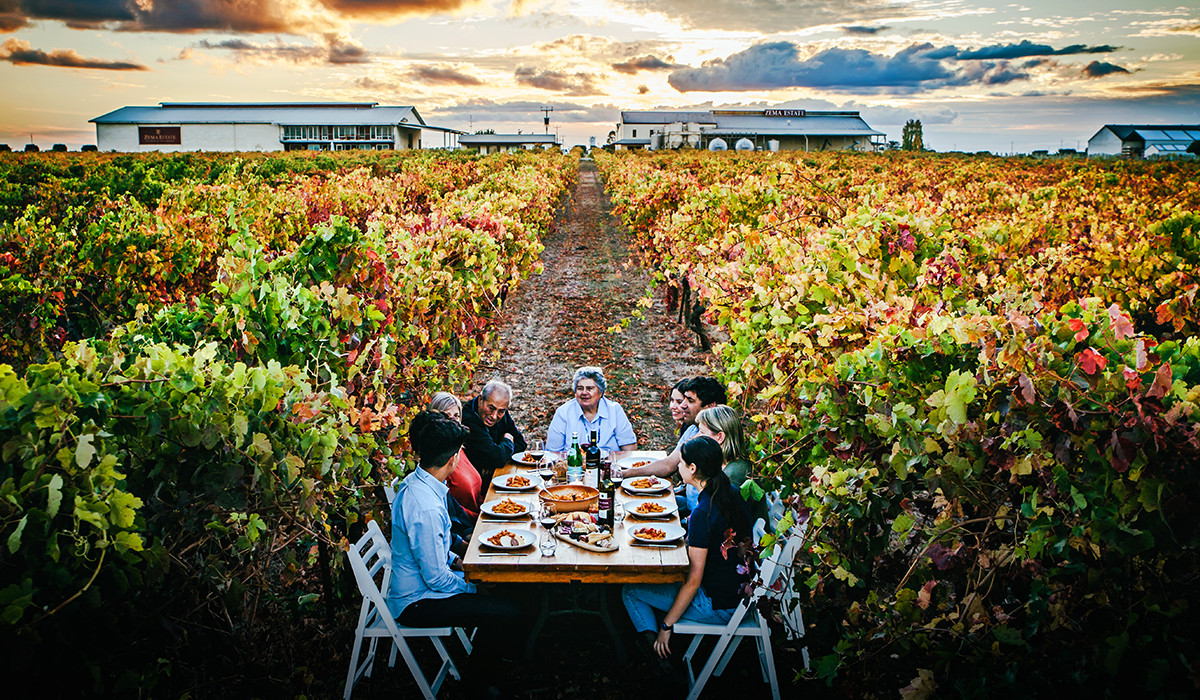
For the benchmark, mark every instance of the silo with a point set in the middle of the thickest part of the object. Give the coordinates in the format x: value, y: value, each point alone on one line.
x: 718, y: 145
x: 744, y: 145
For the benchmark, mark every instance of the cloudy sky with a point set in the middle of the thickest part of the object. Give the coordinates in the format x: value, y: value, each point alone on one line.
x: 995, y: 77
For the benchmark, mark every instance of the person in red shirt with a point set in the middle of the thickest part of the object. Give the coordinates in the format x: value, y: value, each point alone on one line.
x: 465, y: 484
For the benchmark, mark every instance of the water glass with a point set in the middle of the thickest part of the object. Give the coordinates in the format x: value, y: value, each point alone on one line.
x: 549, y: 544
x: 618, y: 512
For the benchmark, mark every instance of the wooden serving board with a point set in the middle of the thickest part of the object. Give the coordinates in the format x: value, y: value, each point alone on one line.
x: 589, y: 547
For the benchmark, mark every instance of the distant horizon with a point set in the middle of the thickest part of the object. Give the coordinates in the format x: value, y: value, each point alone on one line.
x: 1011, y: 78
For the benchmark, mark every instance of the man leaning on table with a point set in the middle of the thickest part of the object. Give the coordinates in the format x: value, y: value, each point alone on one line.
x: 589, y: 411
x: 494, y: 436
x: 699, y: 393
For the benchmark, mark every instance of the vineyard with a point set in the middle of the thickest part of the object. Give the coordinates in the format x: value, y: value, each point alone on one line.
x: 208, y: 364
x: 977, y: 380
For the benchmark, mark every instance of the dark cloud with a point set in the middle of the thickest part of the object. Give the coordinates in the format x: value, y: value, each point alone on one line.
x: 640, y: 63
x: 643, y: 89
x: 11, y: 16
x: 333, y: 49
x: 443, y: 75
x: 301, y: 17
x: 21, y: 53
x: 1027, y: 48
x: 574, y: 84
x: 379, y: 86
x: 868, y: 31
x: 395, y: 8
x: 917, y: 68
x: 1099, y: 69
x: 774, y: 16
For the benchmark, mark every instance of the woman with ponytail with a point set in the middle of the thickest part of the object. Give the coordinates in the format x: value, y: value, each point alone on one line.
x: 715, y: 578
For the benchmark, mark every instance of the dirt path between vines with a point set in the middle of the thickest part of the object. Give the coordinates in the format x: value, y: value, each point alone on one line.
x: 555, y: 322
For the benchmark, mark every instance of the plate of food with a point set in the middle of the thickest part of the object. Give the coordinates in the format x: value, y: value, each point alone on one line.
x: 507, y: 538
x: 529, y: 458
x: 645, y: 484
x: 651, y: 508
x: 581, y: 530
x: 633, y: 462
x: 657, y: 533
x: 505, y: 508
x: 516, y: 482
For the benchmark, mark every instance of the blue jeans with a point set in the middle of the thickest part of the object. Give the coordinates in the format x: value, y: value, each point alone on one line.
x: 641, y: 600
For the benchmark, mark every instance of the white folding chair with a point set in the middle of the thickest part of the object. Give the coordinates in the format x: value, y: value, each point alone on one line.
x: 370, y: 557
x: 747, y: 621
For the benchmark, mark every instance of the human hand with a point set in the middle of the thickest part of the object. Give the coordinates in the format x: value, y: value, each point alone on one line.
x: 456, y: 565
x: 509, y: 437
x: 662, y: 644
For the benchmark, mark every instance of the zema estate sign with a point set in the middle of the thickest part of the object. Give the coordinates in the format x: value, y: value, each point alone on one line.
x: 158, y: 135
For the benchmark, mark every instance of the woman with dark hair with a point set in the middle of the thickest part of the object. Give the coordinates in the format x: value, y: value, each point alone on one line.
x: 713, y: 586
x: 465, y: 484
x: 428, y: 588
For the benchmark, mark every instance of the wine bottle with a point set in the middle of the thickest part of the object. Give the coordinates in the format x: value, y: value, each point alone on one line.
x: 606, y: 505
x: 592, y: 452
x: 575, y: 459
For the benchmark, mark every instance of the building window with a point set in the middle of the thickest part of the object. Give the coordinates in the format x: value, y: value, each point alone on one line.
x: 635, y: 133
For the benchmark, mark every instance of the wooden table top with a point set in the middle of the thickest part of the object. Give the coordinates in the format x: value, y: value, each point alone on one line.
x: 629, y: 564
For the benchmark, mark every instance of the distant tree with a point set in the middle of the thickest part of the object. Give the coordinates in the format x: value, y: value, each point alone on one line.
x: 31, y: 148
x: 612, y: 136
x: 5, y: 148
x: 486, y: 131
x: 912, y: 136
x: 1194, y: 147
x: 893, y: 145
x: 59, y: 148
x: 88, y: 148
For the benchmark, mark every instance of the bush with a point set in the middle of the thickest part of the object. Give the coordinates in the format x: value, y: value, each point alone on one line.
x: 59, y: 148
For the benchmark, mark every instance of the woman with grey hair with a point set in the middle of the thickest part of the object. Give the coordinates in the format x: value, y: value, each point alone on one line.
x: 589, y: 411
x: 465, y: 483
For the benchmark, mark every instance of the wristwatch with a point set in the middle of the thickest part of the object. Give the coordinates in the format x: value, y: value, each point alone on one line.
x: 666, y: 628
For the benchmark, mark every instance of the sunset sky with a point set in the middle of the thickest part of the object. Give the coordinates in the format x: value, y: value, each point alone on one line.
x: 979, y: 76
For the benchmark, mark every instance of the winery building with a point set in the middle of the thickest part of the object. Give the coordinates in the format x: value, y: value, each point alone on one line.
x: 499, y: 143
x: 1145, y: 140
x: 764, y: 129
x: 266, y: 126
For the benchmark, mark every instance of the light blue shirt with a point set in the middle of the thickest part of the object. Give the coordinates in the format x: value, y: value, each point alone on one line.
x: 421, y: 544
x: 611, y: 423
x: 689, y: 432
x: 691, y: 493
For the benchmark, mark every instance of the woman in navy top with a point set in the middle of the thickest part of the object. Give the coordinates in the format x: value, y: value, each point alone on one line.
x: 715, y: 579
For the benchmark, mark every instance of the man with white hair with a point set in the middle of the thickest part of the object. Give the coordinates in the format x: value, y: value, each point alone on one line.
x: 494, y: 436
x: 589, y: 411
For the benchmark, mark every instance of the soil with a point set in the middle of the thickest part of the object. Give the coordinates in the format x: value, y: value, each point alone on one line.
x: 552, y: 324
x: 556, y: 322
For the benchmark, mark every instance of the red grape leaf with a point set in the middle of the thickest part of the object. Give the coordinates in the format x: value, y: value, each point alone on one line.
x: 1091, y: 361
x: 1121, y: 325
x: 1162, y: 382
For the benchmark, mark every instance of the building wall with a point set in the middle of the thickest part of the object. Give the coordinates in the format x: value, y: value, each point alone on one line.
x: 193, y: 137
x: 1104, y: 143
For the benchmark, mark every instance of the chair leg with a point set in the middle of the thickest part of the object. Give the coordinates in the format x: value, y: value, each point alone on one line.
x: 352, y: 675
x: 447, y: 667
x: 687, y: 658
x: 713, y: 659
x: 733, y: 645
x: 417, y: 675
x: 465, y: 638
x: 767, y: 659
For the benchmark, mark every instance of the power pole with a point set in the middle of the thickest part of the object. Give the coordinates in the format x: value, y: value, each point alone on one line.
x: 546, y: 118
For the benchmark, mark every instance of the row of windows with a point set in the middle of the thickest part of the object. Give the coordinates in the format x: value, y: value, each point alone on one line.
x: 338, y: 133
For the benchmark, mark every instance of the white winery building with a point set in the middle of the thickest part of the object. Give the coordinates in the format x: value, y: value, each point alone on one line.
x: 1144, y: 140
x: 265, y: 126
x: 764, y: 129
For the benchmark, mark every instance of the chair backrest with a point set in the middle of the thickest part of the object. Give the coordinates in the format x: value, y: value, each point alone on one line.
x: 368, y: 557
x: 389, y: 490
x: 777, y: 580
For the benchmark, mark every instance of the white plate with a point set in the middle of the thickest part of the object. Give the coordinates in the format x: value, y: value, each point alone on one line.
x: 668, y: 505
x: 526, y: 537
x: 526, y: 458
x: 674, y: 532
x: 490, y: 506
x: 628, y: 462
x: 660, y: 484
x: 500, y: 481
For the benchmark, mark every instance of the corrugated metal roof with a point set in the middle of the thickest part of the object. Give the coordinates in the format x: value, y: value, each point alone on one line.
x: 815, y: 123
x: 265, y: 113
x: 1124, y: 131
x: 505, y: 139
x: 667, y: 117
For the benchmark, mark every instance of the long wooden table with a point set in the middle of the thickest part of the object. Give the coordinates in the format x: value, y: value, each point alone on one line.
x: 572, y: 567
x: 629, y: 564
